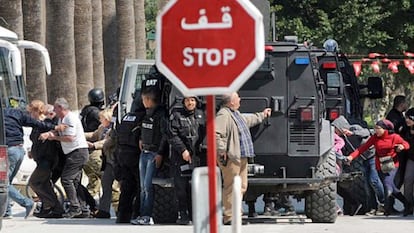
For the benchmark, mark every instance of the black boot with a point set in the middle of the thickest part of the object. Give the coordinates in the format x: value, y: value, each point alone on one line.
x: 183, y: 218
x: 252, y: 209
x: 408, y: 208
x: 268, y: 208
x: 387, y: 206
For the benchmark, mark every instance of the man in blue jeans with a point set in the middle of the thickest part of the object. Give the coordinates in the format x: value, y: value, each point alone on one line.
x: 154, y: 147
x: 14, y: 120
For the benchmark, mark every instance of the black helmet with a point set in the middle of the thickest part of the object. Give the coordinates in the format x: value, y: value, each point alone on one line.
x: 96, y: 95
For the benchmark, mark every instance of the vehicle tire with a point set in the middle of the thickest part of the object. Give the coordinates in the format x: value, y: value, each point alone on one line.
x: 165, y: 205
x: 320, y: 205
x: 360, y: 189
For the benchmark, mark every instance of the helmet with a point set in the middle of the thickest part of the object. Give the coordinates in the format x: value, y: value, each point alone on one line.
x: 331, y: 45
x: 197, y: 99
x: 96, y: 95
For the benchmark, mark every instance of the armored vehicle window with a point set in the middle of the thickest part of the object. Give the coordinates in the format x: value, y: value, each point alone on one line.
x: 5, y: 76
x: 333, y: 83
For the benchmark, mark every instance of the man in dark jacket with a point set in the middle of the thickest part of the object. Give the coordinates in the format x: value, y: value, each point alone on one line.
x: 14, y: 120
x: 46, y: 154
x: 396, y: 116
x: 186, y: 134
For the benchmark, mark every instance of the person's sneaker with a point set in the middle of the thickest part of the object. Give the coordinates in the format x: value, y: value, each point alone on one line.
x: 7, y: 216
x: 135, y: 221
x: 268, y: 211
x: 29, y: 210
x: 146, y: 220
x: 380, y: 210
x: 85, y: 213
x: 288, y: 213
x: 72, y: 213
x: 372, y: 212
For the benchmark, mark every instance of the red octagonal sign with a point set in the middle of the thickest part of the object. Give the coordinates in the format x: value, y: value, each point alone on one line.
x: 209, y: 47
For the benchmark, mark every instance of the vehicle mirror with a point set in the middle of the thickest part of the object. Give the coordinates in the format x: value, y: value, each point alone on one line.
x: 375, y: 88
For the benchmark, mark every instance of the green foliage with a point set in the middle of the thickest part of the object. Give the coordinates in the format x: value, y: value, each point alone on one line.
x: 359, y: 26
x: 151, y: 10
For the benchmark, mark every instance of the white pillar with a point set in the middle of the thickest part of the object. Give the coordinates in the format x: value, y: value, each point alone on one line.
x: 236, y: 207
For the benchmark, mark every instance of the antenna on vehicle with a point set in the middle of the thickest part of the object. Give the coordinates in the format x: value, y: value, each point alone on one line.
x: 274, y: 26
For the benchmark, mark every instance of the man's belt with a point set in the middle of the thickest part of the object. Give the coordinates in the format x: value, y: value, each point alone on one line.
x: 146, y: 148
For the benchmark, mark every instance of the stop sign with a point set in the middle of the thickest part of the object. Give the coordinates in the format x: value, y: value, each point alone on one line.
x: 209, y: 47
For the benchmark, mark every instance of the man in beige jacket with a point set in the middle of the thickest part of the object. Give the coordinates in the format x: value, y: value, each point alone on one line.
x: 234, y: 146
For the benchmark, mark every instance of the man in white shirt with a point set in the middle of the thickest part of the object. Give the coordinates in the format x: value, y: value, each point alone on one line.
x: 75, y: 148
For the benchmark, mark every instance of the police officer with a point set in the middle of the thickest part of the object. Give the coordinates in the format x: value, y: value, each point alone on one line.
x: 186, y: 134
x: 90, y: 113
x: 90, y: 122
x: 154, y: 145
x: 126, y: 167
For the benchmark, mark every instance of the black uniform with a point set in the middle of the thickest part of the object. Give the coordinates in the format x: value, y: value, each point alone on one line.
x: 153, y: 134
x: 126, y: 166
x: 187, y: 131
x: 400, y: 127
x: 90, y: 118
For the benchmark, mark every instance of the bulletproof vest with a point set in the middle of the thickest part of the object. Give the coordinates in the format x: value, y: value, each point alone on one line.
x: 151, y: 129
x: 90, y: 118
x: 128, y: 130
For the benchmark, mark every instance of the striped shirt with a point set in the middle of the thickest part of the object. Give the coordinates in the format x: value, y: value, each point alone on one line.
x: 246, y: 143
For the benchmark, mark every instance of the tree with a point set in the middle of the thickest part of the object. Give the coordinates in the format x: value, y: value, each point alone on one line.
x: 61, y: 45
x: 140, y: 34
x: 126, y: 33
x: 34, y: 30
x: 161, y: 4
x: 83, y: 50
x: 97, y: 46
x: 11, y: 12
x: 359, y: 27
x: 110, y: 45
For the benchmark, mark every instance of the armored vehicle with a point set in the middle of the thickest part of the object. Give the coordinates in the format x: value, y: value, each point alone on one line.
x: 306, y: 89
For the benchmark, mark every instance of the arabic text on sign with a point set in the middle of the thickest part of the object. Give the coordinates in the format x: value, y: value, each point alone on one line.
x: 210, y: 57
x: 203, y: 24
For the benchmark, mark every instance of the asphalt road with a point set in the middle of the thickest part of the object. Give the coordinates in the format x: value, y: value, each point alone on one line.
x: 344, y: 224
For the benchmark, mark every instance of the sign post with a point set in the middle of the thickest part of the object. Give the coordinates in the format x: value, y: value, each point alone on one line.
x: 209, y: 47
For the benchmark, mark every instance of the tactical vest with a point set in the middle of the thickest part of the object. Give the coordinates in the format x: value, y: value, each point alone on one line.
x: 128, y: 130
x: 90, y: 118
